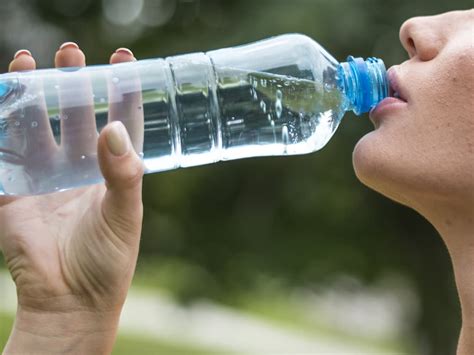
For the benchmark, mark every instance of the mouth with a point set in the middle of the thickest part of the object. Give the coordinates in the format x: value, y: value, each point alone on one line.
x: 396, y: 98
x: 395, y: 90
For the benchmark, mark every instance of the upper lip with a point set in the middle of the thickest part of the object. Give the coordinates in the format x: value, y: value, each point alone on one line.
x: 395, y: 90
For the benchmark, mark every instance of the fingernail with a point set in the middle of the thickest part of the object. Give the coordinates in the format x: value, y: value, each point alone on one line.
x: 21, y: 52
x: 68, y: 45
x: 117, y: 139
x: 125, y: 51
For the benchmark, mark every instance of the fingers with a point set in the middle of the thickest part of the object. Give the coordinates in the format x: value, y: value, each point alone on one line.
x: 33, y: 118
x: 78, y: 126
x: 22, y: 60
x: 69, y: 55
x: 122, y: 55
x: 123, y: 172
x: 125, y: 98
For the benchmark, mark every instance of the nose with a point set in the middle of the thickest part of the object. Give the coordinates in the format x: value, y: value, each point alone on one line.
x: 421, y: 37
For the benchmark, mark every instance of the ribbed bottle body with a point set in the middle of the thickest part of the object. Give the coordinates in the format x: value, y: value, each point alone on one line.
x: 275, y: 97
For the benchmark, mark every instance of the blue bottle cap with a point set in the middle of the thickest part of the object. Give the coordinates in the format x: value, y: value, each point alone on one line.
x: 364, y: 82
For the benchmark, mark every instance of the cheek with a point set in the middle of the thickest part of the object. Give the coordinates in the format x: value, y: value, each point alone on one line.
x: 407, y: 157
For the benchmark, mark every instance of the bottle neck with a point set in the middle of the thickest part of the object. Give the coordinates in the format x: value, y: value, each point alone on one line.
x: 364, y: 83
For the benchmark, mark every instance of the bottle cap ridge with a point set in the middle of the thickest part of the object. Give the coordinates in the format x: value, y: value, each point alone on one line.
x: 364, y: 82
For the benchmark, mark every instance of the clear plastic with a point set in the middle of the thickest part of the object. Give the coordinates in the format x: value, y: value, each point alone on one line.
x: 281, y: 96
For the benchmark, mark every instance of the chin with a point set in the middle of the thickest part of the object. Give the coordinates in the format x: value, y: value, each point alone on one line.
x: 365, y: 159
x: 379, y: 167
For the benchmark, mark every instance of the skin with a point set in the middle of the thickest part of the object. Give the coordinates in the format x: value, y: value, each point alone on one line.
x: 421, y: 152
x: 72, y: 282
x: 72, y: 255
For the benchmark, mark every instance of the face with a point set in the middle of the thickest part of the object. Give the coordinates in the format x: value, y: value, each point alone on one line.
x: 422, y: 148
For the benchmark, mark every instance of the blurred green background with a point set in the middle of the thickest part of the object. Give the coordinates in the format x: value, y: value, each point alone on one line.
x: 248, y: 233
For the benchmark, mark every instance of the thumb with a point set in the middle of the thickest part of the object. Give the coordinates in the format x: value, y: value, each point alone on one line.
x: 123, y: 172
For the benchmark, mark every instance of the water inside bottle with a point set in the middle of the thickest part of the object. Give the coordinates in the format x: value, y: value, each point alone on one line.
x: 260, y: 114
x: 267, y: 114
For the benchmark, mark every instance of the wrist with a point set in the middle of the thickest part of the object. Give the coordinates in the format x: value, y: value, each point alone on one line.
x: 75, y: 331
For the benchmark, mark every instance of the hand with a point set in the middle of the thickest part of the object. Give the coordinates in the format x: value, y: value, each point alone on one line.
x: 72, y: 255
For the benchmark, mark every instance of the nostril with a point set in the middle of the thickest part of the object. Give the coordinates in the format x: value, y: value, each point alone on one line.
x: 411, y: 45
x: 421, y: 38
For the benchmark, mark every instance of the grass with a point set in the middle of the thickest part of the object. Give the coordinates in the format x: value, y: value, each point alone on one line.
x: 6, y: 323
x: 125, y: 344
x: 279, y: 311
x: 273, y: 304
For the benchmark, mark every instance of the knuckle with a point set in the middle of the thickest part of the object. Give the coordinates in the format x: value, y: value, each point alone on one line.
x: 131, y: 176
x: 135, y: 174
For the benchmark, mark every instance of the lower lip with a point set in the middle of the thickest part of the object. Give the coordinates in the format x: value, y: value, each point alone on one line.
x: 386, y: 105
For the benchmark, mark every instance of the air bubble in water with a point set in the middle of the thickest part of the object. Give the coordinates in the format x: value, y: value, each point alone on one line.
x: 34, y: 124
x: 284, y: 136
x: 263, y: 106
x: 17, y: 123
x: 64, y: 117
x: 278, y: 108
x: 115, y: 80
x: 327, y: 87
x: 286, y: 83
x: 83, y: 157
x: 269, y: 118
x: 279, y: 95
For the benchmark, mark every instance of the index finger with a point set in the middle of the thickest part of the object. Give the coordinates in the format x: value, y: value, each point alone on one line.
x: 125, y: 97
x: 33, y: 118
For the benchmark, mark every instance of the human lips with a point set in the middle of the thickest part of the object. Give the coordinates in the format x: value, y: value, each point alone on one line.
x: 395, y: 90
x: 396, y: 99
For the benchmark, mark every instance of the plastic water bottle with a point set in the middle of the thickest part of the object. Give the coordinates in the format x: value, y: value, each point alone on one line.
x: 281, y: 96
